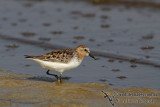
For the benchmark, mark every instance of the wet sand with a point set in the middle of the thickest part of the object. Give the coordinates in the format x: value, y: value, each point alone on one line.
x: 18, y: 90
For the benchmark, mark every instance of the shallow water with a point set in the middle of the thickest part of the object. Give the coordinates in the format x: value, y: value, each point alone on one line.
x: 116, y: 30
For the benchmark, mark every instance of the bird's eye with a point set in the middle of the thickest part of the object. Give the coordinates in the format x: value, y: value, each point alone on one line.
x: 85, y: 50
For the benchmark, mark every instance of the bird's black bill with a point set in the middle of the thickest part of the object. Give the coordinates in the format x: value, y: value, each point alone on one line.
x: 92, y: 56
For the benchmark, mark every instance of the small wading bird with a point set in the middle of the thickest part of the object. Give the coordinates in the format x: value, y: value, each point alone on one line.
x: 62, y: 60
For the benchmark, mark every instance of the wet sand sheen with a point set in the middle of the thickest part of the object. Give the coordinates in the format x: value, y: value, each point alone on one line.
x: 17, y: 90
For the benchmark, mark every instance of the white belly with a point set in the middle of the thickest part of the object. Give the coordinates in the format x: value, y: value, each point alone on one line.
x: 57, y: 66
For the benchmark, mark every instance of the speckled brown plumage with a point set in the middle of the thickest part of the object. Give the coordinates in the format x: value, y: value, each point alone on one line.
x: 61, y: 55
x: 64, y: 55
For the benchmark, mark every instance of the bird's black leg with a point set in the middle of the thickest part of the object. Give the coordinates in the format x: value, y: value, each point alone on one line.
x: 52, y: 74
x: 60, y: 77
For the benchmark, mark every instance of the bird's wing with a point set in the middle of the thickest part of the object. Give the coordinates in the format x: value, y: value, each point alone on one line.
x: 62, y: 55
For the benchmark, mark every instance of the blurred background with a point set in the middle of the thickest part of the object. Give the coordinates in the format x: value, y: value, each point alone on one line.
x: 123, y: 34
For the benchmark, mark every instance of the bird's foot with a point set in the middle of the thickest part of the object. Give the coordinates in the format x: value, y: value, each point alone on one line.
x: 52, y: 75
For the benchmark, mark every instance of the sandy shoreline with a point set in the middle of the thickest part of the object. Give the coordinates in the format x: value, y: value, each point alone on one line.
x: 17, y: 90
